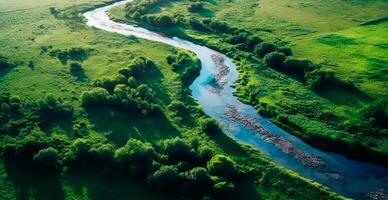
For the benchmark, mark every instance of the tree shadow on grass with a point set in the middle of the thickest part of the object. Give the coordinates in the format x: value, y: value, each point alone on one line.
x: 344, y: 96
x: 42, y: 185
x: 120, y: 125
x: 228, y: 145
x: 101, y: 186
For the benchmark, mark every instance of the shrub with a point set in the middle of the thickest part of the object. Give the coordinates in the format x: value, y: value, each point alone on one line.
x: 46, y: 158
x: 275, y: 60
x: 199, y: 179
x: 176, y: 149
x: 109, y: 83
x: 285, y: 50
x: 297, y: 66
x: 165, y: 179
x: 224, y: 189
x: 221, y: 165
x: 210, y: 126
x: 264, y: 48
x: 51, y: 108
x: 95, y: 97
x: 136, y: 157
x: 76, y: 68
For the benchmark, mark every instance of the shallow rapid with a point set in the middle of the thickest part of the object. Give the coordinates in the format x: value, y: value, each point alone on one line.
x: 213, y: 91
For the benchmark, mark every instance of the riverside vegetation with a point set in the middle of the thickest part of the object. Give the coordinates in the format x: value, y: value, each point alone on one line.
x: 316, y: 99
x: 86, y: 114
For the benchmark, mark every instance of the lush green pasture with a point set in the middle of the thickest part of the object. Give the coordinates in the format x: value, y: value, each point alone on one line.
x: 38, y: 38
x: 335, y: 114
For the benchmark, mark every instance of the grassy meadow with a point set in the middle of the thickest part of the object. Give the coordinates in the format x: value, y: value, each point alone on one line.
x: 52, y: 51
x: 334, y: 117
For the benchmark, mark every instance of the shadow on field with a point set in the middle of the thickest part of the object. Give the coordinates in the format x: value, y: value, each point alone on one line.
x: 344, y: 96
x: 100, y: 186
x: 42, y: 185
x: 119, y: 126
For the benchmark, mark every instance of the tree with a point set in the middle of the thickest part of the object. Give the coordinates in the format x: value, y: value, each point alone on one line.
x: 165, y: 179
x: 94, y: 97
x: 264, y: 48
x: 136, y: 156
x: 377, y: 113
x: 297, y: 66
x: 285, y: 50
x: 221, y: 165
x: 76, y: 68
x: 46, y: 158
x: 176, y: 149
x: 194, y: 7
x: 210, y: 126
x: 275, y: 60
x: 224, y: 189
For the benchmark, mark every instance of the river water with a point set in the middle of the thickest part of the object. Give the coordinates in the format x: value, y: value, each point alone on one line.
x: 213, y: 91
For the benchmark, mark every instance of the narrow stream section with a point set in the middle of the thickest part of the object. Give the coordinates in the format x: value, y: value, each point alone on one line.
x: 213, y: 91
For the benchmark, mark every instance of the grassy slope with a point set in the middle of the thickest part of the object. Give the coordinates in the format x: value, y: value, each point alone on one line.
x: 284, y: 94
x: 28, y: 26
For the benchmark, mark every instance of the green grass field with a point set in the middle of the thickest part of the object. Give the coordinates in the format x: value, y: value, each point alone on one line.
x: 27, y: 28
x: 316, y: 31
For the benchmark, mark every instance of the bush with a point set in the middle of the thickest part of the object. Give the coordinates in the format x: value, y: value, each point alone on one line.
x: 51, y: 108
x: 135, y: 157
x: 210, y: 127
x: 264, y: 48
x: 297, y: 66
x: 224, y: 189
x: 199, y: 179
x: 94, y: 97
x: 76, y: 68
x: 221, y: 165
x: 46, y: 158
x: 285, y: 50
x: 109, y: 83
x: 275, y: 60
x: 177, y: 150
x: 165, y: 179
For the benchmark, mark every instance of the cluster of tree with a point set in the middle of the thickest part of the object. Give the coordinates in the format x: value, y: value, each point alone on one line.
x: 5, y: 64
x: 76, y: 68
x: 244, y: 41
x: 184, y: 64
x: 122, y: 91
x: 173, y: 165
x: 18, y: 115
x: 74, y: 53
x: 138, y: 8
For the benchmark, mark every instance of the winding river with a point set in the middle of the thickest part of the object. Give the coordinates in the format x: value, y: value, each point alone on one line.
x: 213, y: 91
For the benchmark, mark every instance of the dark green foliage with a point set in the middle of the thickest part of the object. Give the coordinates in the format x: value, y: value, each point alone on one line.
x: 54, y: 108
x: 94, y: 97
x: 84, y: 151
x: 195, y: 6
x: 165, y: 179
x: 76, y: 68
x: 224, y: 189
x: 46, y: 158
x: 177, y: 150
x: 140, y: 65
x: 109, y: 83
x: 136, y: 157
x: 245, y: 40
x: 377, y: 113
x: 210, y: 127
x: 74, y: 53
x: 286, y: 50
x: 5, y: 64
x: 199, y: 179
x: 318, y: 80
x: 264, y: 48
x: 26, y: 146
x: 296, y: 66
x: 274, y: 60
x: 221, y: 165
